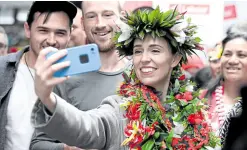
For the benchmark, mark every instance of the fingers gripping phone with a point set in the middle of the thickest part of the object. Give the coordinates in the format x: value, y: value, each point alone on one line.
x: 82, y: 59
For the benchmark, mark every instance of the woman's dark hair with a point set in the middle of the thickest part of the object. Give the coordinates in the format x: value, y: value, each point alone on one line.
x: 149, y: 9
x: 217, y: 81
x: 239, y: 27
x: 233, y: 36
x: 143, y: 8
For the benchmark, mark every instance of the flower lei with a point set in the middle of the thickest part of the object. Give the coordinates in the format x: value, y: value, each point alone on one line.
x: 178, y: 123
x: 220, y: 104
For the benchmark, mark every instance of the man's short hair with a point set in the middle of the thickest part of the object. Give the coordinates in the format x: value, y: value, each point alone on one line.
x: 120, y: 5
x: 50, y: 7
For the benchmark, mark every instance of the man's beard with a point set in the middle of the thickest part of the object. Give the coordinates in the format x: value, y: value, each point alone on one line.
x: 106, y: 47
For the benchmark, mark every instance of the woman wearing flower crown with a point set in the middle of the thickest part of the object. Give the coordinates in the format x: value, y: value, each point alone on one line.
x: 153, y: 108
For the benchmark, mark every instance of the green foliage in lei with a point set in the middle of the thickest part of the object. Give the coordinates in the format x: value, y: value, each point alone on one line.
x: 159, y: 24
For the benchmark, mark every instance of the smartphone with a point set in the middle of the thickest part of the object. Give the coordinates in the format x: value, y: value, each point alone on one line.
x: 82, y: 59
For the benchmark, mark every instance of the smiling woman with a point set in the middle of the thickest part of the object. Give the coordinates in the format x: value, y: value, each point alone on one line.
x: 234, y: 68
x: 153, y: 61
x: 226, y: 101
x: 234, y: 59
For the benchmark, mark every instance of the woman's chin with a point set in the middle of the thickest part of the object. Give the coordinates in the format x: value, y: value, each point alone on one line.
x: 149, y: 83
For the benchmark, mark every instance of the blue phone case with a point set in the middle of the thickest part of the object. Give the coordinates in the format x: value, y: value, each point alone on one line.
x: 82, y: 59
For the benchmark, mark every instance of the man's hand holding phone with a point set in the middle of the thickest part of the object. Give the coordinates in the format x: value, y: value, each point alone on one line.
x: 55, y: 66
x: 44, y: 79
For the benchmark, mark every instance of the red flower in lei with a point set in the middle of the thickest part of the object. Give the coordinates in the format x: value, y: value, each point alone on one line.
x: 195, y: 118
x: 133, y: 112
x: 182, y: 77
x: 187, y: 96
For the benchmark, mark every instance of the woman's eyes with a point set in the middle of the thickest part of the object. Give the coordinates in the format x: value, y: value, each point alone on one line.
x: 242, y: 55
x: 155, y: 51
x: 226, y: 54
x: 137, y: 51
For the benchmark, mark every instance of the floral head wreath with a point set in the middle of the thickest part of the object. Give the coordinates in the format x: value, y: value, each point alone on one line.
x: 170, y: 24
x: 216, y: 53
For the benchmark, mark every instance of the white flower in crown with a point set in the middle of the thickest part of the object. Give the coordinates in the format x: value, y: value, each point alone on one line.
x: 126, y: 30
x: 178, y: 29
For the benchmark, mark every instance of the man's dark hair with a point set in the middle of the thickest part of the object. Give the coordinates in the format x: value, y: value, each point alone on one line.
x: 50, y: 7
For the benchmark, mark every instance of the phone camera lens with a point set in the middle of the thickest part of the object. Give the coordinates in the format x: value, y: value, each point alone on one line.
x: 92, y: 49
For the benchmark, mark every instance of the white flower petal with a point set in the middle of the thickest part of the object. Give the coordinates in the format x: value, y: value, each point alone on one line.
x: 179, y: 128
x: 178, y: 29
x: 209, y: 148
x: 176, y: 136
x: 181, y: 38
x: 125, y: 29
x: 124, y: 36
x: 190, y: 88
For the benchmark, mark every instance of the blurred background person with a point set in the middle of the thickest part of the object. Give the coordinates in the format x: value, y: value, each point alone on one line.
x: 210, y: 71
x: 193, y: 65
x: 78, y: 36
x: 202, y: 77
x: 205, y: 74
x: 214, y: 59
x: 3, y: 42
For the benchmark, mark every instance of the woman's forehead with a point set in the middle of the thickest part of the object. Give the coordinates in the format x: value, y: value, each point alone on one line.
x: 149, y: 40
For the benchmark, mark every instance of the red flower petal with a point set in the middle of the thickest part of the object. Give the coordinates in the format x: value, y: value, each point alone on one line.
x: 179, y: 96
x: 182, y: 77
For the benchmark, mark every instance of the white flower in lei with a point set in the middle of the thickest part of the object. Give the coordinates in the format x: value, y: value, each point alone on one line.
x: 125, y: 30
x: 179, y: 128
